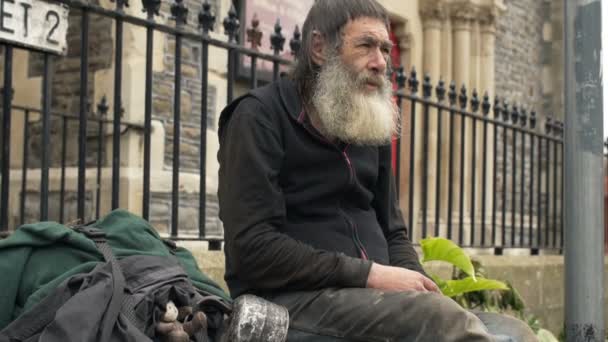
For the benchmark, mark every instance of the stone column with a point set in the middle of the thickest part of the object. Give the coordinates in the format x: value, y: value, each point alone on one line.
x: 462, y: 15
x: 486, y: 84
x: 488, y: 39
x: 404, y: 39
x: 433, y: 17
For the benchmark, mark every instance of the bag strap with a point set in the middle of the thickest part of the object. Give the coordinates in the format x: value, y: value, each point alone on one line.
x: 31, y: 322
x: 118, y: 294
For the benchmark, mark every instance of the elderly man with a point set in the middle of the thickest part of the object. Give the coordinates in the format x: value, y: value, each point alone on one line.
x: 308, y: 200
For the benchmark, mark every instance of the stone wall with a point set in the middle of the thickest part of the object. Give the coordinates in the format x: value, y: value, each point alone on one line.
x: 518, y: 52
x: 66, y: 90
x: 527, y: 50
x: 163, y: 103
x: 538, y: 279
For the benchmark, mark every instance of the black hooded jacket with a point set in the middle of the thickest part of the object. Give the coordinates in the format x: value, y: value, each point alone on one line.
x: 300, y: 212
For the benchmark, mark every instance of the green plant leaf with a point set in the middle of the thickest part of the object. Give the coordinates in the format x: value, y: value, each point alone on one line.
x: 545, y: 336
x: 438, y: 280
x: 457, y: 287
x: 440, y: 249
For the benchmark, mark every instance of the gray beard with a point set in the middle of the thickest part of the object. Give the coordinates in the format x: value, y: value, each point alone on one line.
x: 346, y: 112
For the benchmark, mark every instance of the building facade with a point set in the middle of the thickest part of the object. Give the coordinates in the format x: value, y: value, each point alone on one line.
x: 505, y: 48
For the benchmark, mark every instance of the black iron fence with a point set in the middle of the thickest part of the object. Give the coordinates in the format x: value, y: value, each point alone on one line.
x: 503, y: 177
x: 497, y: 180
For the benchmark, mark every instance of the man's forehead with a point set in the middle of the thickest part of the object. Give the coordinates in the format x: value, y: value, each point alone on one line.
x: 366, y: 27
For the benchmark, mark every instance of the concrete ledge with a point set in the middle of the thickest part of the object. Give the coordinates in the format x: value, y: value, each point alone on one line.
x: 212, y: 263
x: 539, y: 279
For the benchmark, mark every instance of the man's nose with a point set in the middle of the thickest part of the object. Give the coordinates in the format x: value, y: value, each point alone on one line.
x: 377, y: 62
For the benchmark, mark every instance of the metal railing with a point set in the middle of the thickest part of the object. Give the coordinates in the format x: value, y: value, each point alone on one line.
x: 475, y: 214
x: 481, y: 217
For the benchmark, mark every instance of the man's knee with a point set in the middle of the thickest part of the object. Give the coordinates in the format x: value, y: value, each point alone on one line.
x: 442, y: 316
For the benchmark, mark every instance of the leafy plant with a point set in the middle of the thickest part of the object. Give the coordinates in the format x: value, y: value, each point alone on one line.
x: 440, y: 249
x: 471, y: 288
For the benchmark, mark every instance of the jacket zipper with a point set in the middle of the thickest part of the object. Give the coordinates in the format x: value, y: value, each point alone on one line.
x: 353, y: 226
x: 351, y: 176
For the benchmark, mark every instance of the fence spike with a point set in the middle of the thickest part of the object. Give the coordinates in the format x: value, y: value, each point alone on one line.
x: 277, y: 40
x: 120, y: 4
x: 548, y: 126
x: 427, y: 87
x: 452, y: 94
x: 102, y: 107
x: 254, y: 34
x: 151, y: 7
x: 296, y: 42
x: 486, y: 105
x: 496, y: 107
x: 206, y: 19
x: 401, y: 77
x: 515, y: 114
x: 505, y: 110
x: 179, y: 12
x: 462, y: 99
x: 231, y: 24
x: 558, y: 128
x: 533, y: 119
x: 413, y: 82
x: 523, y: 117
x: 475, y: 101
x: 440, y: 90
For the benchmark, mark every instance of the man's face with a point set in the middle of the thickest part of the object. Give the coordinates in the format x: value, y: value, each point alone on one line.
x: 366, y: 49
x: 352, y: 96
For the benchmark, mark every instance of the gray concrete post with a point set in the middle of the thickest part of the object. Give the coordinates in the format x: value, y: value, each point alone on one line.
x: 584, y: 217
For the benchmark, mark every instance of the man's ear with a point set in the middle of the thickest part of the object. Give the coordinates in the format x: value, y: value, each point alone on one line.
x: 318, y: 48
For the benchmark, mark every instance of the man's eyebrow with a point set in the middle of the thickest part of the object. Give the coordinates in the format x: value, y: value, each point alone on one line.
x: 387, y: 44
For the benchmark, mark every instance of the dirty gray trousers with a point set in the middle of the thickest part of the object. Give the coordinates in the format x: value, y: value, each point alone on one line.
x: 368, y: 315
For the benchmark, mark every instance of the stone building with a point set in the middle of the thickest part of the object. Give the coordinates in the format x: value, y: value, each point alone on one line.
x: 509, y: 48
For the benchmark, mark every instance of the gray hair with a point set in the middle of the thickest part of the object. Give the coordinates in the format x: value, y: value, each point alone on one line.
x: 328, y: 17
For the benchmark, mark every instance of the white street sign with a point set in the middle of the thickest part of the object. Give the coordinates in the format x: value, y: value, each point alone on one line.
x: 34, y: 24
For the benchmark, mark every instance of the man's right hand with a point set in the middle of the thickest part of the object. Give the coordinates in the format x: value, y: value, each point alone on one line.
x: 390, y: 278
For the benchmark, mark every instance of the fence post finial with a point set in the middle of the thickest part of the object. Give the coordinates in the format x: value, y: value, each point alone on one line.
x: 515, y: 114
x: 296, y: 42
x: 462, y: 99
x: 206, y: 19
x: 254, y: 34
x: 523, y: 116
x: 151, y: 7
x: 533, y: 119
x: 559, y: 128
x: 231, y: 24
x: 505, y: 110
x: 486, y: 105
x: 452, y: 96
x: 475, y: 101
x: 401, y: 77
x: 440, y: 90
x: 277, y: 40
x: 427, y: 87
x: 413, y: 82
x: 179, y: 12
x: 548, y: 125
x: 102, y: 107
x: 496, y: 107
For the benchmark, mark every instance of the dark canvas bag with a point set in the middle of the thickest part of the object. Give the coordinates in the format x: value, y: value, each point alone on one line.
x: 116, y: 301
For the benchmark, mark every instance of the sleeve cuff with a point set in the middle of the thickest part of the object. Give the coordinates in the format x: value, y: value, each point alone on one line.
x: 353, y: 271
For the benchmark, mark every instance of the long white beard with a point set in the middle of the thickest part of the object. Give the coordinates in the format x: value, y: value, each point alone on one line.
x: 347, y: 112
